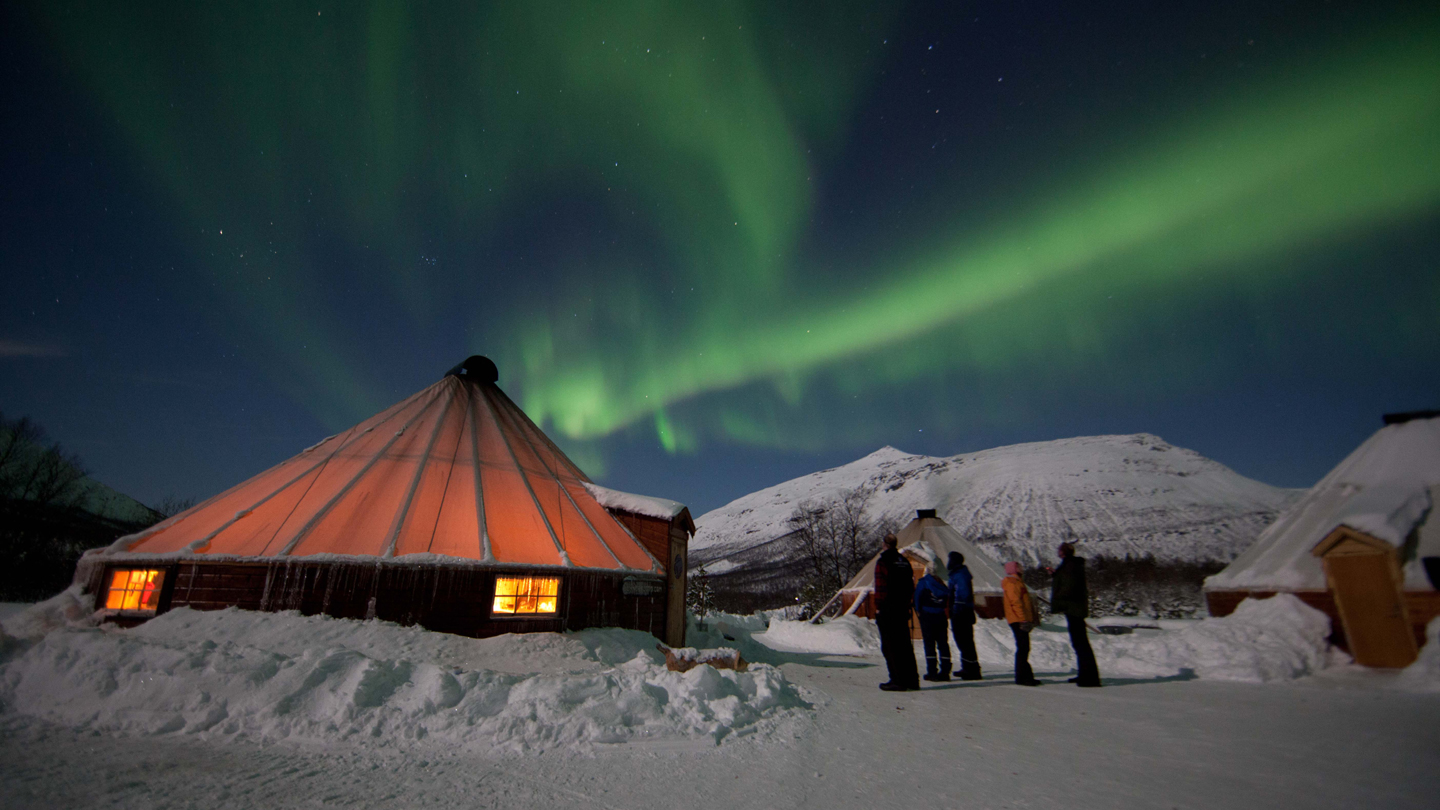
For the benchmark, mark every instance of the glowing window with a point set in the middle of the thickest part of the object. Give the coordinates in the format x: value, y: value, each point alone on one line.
x: 135, y: 589
x: 515, y: 595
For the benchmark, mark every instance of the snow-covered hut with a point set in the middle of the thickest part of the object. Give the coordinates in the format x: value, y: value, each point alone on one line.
x: 928, y: 538
x: 1363, y: 545
x: 450, y: 510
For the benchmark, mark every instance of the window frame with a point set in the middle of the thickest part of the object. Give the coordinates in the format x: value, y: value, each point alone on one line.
x: 495, y: 596
x: 166, y: 576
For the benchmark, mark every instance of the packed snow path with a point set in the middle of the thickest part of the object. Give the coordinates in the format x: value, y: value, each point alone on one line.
x: 1314, y: 744
x: 1344, y: 737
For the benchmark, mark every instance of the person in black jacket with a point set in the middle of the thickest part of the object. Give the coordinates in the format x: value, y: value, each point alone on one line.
x: 1068, y: 595
x: 894, y: 590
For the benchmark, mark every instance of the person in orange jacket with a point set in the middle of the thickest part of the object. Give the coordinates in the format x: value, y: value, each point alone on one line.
x: 1020, y: 613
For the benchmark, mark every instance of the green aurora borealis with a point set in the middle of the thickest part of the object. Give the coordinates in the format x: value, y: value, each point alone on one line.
x: 619, y: 201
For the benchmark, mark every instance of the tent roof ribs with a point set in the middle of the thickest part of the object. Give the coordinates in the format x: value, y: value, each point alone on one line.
x: 420, y: 466
x: 383, y: 490
x: 345, y: 490
x: 559, y: 547
x: 486, y: 552
x: 565, y: 492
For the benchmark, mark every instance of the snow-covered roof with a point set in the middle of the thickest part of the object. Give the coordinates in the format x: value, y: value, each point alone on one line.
x: 618, y: 501
x: 1386, y: 488
x: 933, y: 539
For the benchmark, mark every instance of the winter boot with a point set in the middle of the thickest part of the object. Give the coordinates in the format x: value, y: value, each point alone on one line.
x: 970, y: 672
x: 891, y: 686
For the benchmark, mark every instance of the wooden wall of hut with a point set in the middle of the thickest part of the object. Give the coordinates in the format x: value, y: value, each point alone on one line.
x: 669, y: 541
x: 450, y: 599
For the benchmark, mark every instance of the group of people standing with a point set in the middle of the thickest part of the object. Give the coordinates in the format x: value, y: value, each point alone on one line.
x: 938, y: 603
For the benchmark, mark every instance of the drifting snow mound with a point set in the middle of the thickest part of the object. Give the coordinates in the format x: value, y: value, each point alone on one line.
x: 1424, y: 674
x: 845, y: 635
x: 69, y: 608
x: 1273, y: 639
x: 271, y: 676
x: 1118, y: 495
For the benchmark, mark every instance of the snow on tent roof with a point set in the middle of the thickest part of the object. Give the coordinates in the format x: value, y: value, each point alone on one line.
x: 455, y: 471
x: 933, y: 538
x: 662, y: 508
x: 1385, y: 488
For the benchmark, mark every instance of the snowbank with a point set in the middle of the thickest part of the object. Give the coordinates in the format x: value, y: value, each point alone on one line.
x: 1272, y: 639
x: 235, y: 673
x: 1424, y: 674
x: 846, y: 635
x: 1263, y: 640
x: 69, y: 608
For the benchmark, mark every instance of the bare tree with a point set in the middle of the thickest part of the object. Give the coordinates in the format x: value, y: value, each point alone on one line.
x: 836, y: 537
x: 34, y: 469
x: 173, y: 505
x: 16, y: 439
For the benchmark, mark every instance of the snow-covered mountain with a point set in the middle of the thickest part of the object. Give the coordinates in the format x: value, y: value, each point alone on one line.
x: 1114, y: 495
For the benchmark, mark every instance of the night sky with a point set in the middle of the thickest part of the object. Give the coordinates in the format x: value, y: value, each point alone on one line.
x: 712, y: 246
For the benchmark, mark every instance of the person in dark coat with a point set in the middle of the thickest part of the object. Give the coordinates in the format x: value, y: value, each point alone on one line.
x: 962, y: 615
x: 894, y: 590
x: 1068, y: 595
x: 931, y: 599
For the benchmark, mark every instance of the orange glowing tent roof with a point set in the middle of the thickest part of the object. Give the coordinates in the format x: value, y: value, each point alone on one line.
x: 456, y: 470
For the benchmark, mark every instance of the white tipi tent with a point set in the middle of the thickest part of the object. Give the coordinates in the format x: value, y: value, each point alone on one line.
x: 928, y: 538
x: 1376, y: 503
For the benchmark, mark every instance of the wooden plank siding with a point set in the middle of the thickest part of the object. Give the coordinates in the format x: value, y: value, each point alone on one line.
x: 669, y: 542
x: 450, y: 599
x: 652, y: 532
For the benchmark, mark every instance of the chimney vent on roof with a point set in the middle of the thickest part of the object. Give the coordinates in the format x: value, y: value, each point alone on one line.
x: 1401, y: 418
x: 476, y: 368
x: 924, y: 513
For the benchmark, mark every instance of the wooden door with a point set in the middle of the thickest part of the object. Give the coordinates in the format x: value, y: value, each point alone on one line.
x: 1371, y: 608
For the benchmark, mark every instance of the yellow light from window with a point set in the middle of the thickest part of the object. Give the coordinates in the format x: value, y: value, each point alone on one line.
x: 526, y: 595
x: 135, y: 589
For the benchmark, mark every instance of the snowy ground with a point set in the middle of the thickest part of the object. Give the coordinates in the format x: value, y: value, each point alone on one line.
x: 824, y: 737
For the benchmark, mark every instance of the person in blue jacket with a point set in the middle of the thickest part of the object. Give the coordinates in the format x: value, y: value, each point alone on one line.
x: 931, y: 599
x: 962, y: 616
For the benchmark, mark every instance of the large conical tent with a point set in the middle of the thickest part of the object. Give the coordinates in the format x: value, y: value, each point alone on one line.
x: 926, y: 538
x: 451, y: 510
x: 456, y: 470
